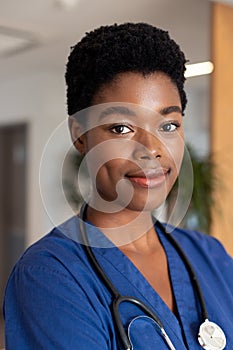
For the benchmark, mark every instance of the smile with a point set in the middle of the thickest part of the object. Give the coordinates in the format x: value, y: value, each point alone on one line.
x: 150, y: 178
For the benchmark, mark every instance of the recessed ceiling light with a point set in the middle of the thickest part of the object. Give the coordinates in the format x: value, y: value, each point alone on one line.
x: 229, y: 2
x: 13, y: 41
x: 66, y: 4
x: 196, y: 69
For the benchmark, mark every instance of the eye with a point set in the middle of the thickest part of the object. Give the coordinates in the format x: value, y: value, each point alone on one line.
x: 169, y: 127
x: 120, y: 129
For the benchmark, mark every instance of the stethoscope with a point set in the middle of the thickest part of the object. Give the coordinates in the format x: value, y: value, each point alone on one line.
x: 210, y: 336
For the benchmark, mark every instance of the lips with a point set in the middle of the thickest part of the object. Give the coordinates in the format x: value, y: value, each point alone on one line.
x: 148, y: 178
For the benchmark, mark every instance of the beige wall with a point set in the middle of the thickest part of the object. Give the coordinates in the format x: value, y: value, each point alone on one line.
x: 222, y: 120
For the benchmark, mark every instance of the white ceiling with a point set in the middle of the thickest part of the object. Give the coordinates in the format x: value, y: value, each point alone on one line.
x: 51, y: 30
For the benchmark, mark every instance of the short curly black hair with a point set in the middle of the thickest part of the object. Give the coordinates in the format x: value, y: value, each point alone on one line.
x: 109, y: 50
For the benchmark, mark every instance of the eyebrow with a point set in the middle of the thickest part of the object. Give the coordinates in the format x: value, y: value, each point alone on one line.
x: 117, y: 110
x: 171, y: 109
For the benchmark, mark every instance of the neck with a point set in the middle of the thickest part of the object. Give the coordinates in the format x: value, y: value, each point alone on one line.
x: 128, y: 229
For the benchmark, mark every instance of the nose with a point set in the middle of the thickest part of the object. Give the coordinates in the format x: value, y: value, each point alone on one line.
x: 148, y: 147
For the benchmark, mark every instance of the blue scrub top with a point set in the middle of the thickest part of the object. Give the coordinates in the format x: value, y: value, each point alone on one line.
x: 55, y: 300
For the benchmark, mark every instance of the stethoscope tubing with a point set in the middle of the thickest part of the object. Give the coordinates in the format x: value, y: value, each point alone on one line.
x: 190, y: 269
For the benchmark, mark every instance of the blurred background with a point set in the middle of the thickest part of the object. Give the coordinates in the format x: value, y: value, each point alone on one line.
x: 35, y: 40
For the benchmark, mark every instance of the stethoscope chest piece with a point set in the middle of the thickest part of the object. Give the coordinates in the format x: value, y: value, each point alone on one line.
x: 211, y: 336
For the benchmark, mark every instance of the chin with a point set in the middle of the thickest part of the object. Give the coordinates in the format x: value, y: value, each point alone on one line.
x: 151, y: 203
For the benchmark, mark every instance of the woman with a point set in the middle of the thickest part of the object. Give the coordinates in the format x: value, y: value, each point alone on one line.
x: 128, y: 79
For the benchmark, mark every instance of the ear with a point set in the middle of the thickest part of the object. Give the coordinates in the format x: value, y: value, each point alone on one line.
x: 77, y: 137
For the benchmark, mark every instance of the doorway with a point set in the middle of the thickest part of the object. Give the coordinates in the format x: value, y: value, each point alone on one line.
x: 13, y: 166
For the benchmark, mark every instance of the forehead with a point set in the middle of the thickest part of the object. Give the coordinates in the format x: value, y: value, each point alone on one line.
x: 154, y: 91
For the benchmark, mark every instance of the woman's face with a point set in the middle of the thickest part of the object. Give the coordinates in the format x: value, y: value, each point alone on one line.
x: 135, y: 151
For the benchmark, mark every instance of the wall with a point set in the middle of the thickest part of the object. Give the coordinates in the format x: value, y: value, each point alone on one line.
x: 221, y: 120
x: 39, y: 100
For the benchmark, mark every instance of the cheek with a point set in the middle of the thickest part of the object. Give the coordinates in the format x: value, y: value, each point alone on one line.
x: 108, y: 153
x: 178, y: 155
x: 175, y: 151
x: 112, y: 171
x: 111, y: 185
x: 107, y: 175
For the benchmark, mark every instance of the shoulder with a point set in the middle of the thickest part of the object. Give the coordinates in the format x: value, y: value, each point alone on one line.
x: 55, y: 268
x: 204, y: 249
x: 198, y: 240
x: 54, y: 277
x: 57, y: 256
x: 61, y: 244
